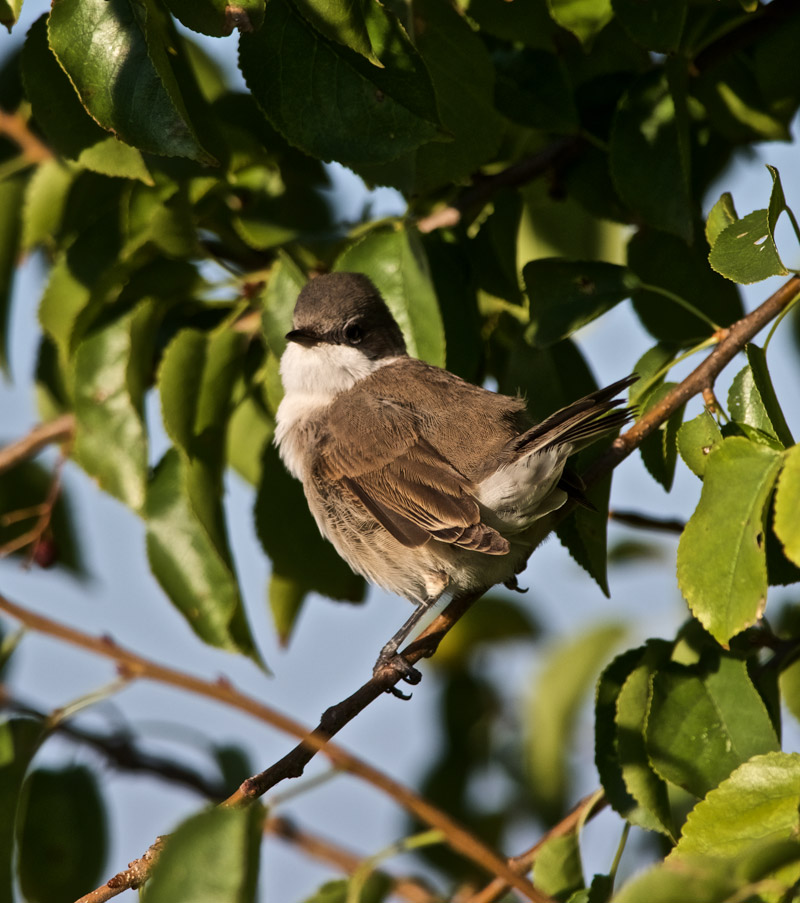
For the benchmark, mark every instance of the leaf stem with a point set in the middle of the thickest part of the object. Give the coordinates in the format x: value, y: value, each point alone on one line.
x: 626, y: 828
x: 686, y: 305
x: 778, y: 319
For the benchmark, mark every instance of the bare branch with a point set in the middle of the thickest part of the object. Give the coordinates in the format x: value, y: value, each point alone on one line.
x: 59, y: 430
x: 646, y: 522
x: 16, y: 128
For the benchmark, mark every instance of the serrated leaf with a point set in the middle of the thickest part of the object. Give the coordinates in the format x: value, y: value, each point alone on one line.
x: 721, y: 215
x: 656, y: 25
x: 787, y: 505
x: 210, y: 857
x: 343, y: 22
x: 569, y: 672
x: 706, y: 721
x: 747, y: 409
x: 660, y: 449
x: 696, y: 440
x: 186, y: 561
x: 633, y: 706
x: 690, y: 881
x: 394, y: 259
x: 63, y: 824
x: 584, y: 18
x: 758, y: 802
x: 722, y: 568
x: 111, y: 367
x: 647, y: 154
x: 362, y: 113
x: 117, y: 55
x: 463, y: 79
x: 112, y: 157
x: 745, y: 251
x: 757, y: 360
x: 11, y: 194
x: 663, y: 260
x: 566, y: 295
x: 218, y: 18
x: 584, y: 534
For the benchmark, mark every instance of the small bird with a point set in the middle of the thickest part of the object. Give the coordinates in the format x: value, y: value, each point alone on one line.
x: 427, y: 485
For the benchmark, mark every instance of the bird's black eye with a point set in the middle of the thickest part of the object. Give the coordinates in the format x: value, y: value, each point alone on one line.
x: 353, y: 333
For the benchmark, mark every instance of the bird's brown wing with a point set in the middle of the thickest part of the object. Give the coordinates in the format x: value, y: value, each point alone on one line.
x: 397, y: 475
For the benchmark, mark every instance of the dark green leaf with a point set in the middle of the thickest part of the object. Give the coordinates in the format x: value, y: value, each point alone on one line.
x: 342, y: 22
x: 745, y: 251
x: 117, y: 54
x: 361, y: 113
x: 584, y: 18
x: 722, y: 569
x: 112, y: 367
x: 568, y: 674
x: 291, y: 551
x: 533, y: 89
x: 705, y: 721
x: 566, y: 295
x: 662, y: 260
x: 660, y: 449
x: 286, y: 598
x: 194, y: 573
x: 696, y: 440
x: 19, y: 740
x: 11, y: 194
x: 529, y: 23
x: 656, y: 25
x: 376, y: 889
x: 747, y: 409
x: 211, y: 857
x: 758, y: 802
x: 762, y: 383
x: 218, y: 18
x: 584, y: 533
x: 651, y: 368
x: 787, y: 505
x: 722, y: 214
x: 394, y: 259
x: 463, y: 81
x: 558, y: 871
x: 64, y: 825
x: 647, y: 154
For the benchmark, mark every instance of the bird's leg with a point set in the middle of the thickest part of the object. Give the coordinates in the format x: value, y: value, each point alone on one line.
x: 424, y: 614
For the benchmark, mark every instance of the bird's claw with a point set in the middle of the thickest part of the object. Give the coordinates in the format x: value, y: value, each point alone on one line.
x: 513, y: 583
x: 391, y: 659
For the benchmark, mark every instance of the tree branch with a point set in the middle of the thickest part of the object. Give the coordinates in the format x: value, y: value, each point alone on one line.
x: 60, y: 430
x: 15, y: 126
x: 646, y: 522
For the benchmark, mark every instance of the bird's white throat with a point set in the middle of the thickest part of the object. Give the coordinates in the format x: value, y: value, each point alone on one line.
x: 312, y: 378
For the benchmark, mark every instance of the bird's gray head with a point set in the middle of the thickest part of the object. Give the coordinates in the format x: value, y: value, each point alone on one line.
x: 346, y: 309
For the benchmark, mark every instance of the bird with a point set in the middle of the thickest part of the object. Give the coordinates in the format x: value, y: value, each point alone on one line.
x: 427, y: 485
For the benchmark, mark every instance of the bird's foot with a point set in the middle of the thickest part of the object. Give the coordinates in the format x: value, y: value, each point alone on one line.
x: 390, y: 659
x: 513, y: 583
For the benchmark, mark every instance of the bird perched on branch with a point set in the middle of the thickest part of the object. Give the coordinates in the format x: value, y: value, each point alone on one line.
x: 427, y: 485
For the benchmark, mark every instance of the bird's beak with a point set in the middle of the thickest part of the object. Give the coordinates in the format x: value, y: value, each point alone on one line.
x: 302, y: 337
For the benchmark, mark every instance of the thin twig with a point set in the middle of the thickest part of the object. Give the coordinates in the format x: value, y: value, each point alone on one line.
x: 646, y: 522
x: 59, y: 430
x: 135, y: 666
x: 344, y: 860
x: 16, y: 128
x: 586, y: 809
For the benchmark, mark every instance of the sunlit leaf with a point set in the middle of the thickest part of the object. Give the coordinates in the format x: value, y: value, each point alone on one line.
x: 696, y: 440
x: 721, y: 215
x: 558, y: 871
x: 218, y: 17
x: 11, y: 194
x: 343, y: 22
x: 659, y: 450
x: 787, y: 505
x: 584, y: 18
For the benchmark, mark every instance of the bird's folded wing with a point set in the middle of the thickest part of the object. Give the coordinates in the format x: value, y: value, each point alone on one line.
x: 405, y: 484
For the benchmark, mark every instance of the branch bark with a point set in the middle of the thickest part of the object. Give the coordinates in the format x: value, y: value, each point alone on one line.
x: 60, y: 430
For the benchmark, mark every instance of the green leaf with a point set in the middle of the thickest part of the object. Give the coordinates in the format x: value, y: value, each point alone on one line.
x: 343, y: 22
x: 690, y: 881
x: 529, y: 23
x: 747, y: 409
x: 648, y: 158
x: 651, y: 368
x: 705, y: 721
x: 757, y: 803
x: 722, y: 569
x: 112, y: 366
x: 195, y: 574
x: 117, y: 54
x: 218, y: 18
x: 45, y: 198
x: 566, y: 295
x: 787, y: 505
x: 567, y: 676
x: 721, y: 215
x: 656, y: 25
x: 696, y: 440
x: 757, y: 360
x: 533, y: 88
x: 394, y: 259
x: 9, y: 12
x: 361, y: 113
x: 210, y: 857
x: 11, y: 193
x: 660, y: 449
x: 64, y: 825
x: 663, y: 260
x: 463, y: 80
x: 633, y: 708
x: 584, y: 534
x: 558, y: 871
x: 19, y: 740
x: 278, y: 300
x: 584, y: 18
x: 745, y: 251
x: 249, y: 430
x: 290, y: 551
